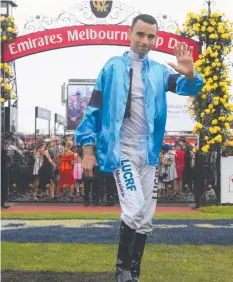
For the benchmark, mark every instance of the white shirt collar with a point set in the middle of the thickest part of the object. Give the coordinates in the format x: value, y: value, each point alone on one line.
x: 136, y: 57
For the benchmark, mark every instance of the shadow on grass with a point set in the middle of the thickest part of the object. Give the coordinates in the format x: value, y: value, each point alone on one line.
x: 26, y: 276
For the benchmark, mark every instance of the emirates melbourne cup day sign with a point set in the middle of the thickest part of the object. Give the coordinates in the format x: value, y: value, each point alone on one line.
x: 85, y: 35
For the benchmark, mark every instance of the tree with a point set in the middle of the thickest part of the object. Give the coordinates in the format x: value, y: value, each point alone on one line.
x: 212, y: 109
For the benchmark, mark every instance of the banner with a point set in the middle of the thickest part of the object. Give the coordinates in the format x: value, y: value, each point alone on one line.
x: 42, y: 113
x: 227, y: 180
x: 78, y: 96
x: 85, y: 35
x: 178, y: 117
x: 32, y: 140
x: 172, y: 140
x: 60, y: 119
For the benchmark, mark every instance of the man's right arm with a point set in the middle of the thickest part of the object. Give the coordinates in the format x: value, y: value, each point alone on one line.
x: 86, y: 132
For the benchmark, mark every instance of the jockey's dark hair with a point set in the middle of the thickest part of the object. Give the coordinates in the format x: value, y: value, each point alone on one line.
x: 145, y: 18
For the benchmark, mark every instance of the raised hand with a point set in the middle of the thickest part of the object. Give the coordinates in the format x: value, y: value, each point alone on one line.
x: 184, y: 56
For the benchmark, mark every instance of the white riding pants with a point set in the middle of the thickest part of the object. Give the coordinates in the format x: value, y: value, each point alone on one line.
x: 137, y: 184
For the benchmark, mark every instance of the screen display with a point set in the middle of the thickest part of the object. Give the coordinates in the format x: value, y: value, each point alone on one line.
x: 78, y: 97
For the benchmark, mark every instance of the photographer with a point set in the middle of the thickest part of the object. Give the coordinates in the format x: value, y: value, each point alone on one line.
x: 168, y: 170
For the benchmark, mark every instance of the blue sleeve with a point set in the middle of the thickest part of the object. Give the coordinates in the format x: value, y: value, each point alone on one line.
x: 181, y: 85
x: 187, y: 87
x: 85, y: 134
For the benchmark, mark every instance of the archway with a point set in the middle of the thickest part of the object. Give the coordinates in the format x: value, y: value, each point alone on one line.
x: 84, y: 34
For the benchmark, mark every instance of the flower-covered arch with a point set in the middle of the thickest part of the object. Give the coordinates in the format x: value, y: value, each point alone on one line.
x: 8, y: 32
x: 212, y: 109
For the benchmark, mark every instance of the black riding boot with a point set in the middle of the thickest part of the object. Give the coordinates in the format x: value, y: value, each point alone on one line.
x: 138, y: 249
x: 124, y: 256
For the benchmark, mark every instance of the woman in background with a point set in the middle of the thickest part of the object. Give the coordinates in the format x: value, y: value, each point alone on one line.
x: 46, y: 174
x: 38, y: 161
x: 168, y: 168
x: 67, y: 158
x: 179, y: 161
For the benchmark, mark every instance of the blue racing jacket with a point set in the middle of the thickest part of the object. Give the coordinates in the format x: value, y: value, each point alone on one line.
x: 105, y: 112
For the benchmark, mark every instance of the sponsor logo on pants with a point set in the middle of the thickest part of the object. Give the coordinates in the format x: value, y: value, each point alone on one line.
x: 156, y: 184
x: 118, y: 182
x: 128, y: 175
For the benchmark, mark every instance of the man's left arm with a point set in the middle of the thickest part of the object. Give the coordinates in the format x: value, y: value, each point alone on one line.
x: 182, y: 85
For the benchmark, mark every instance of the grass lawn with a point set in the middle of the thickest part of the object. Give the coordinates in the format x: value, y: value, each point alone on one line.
x: 164, y: 263
x: 49, y: 262
x: 217, y: 209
